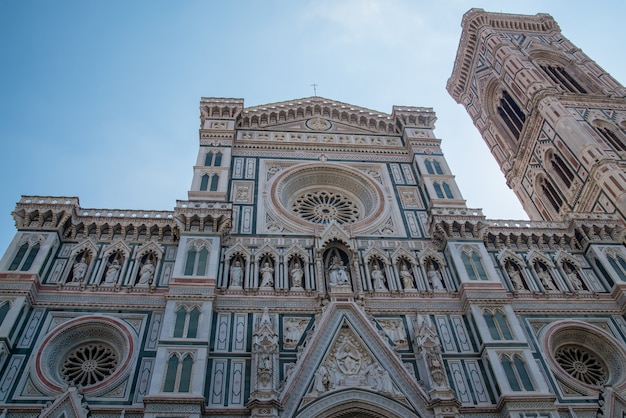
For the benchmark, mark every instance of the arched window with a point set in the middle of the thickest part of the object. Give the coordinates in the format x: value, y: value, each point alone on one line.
x: 25, y: 263
x: 446, y: 189
x: 437, y: 166
x: 562, y: 78
x: 511, y: 114
x: 218, y: 159
x: 429, y: 167
x: 214, y: 181
x: 516, y: 373
x: 561, y: 169
x: 497, y: 325
x: 550, y: 193
x: 204, y: 183
x: 4, y: 310
x: 618, y: 264
x: 186, y: 323
x: 178, y: 373
x: 197, y: 260
x: 438, y: 190
x: 208, y: 160
x: 612, y: 138
x: 474, y: 266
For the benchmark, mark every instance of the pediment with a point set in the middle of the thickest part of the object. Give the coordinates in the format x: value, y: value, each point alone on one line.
x: 317, y: 114
x: 347, y: 352
x: 67, y: 405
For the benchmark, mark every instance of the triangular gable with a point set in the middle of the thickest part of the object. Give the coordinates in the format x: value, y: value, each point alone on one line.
x: 357, y: 350
x: 68, y: 405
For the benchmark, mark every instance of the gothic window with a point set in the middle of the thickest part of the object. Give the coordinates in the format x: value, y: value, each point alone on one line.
x: 497, y: 325
x: 438, y: 190
x: 562, y: 78
x: 4, y: 310
x: 614, y: 139
x: 178, y: 373
x: 208, y: 160
x: 186, y: 323
x: 511, y: 114
x: 551, y: 194
x: 437, y: 167
x: 561, y: 169
x: 218, y: 159
x: 429, y: 167
x: 474, y: 266
x: 516, y: 373
x: 582, y: 364
x: 204, y: 183
x: 619, y: 265
x: 196, y: 262
x: 21, y: 263
x: 214, y: 181
x: 446, y: 189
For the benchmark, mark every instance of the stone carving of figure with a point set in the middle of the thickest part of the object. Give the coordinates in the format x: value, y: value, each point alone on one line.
x: 79, y: 270
x: 406, y: 277
x: 337, y: 272
x: 112, y: 273
x: 236, y: 274
x: 434, y: 277
x: 267, y: 275
x: 322, y: 380
x: 146, y: 274
x: 515, y: 276
x: 296, y: 275
x: 378, y: 277
x: 573, y: 277
x: 546, y: 279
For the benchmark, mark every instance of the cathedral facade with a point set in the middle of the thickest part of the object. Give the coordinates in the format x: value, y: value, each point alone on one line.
x: 325, y: 263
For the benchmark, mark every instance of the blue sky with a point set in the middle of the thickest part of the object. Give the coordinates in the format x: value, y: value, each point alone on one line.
x: 99, y: 99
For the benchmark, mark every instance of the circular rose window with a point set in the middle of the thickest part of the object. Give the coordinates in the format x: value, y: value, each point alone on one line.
x: 93, y: 353
x: 314, y: 194
x: 582, y: 364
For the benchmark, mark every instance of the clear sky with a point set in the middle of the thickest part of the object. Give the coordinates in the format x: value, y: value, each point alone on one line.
x: 100, y: 99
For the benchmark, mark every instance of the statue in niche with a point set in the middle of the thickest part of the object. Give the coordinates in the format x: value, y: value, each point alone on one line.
x: 434, y: 276
x: 112, y: 273
x: 572, y: 274
x: 544, y: 277
x: 378, y: 277
x: 267, y: 275
x: 406, y: 277
x: 236, y: 274
x: 337, y: 272
x: 80, y: 269
x: 515, y: 275
x: 296, y: 274
x: 146, y: 273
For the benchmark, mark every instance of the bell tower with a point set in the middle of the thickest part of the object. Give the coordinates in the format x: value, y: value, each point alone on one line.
x: 554, y: 120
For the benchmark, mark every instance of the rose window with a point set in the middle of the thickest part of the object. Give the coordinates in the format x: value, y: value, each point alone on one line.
x: 581, y: 364
x: 89, y: 364
x: 324, y: 206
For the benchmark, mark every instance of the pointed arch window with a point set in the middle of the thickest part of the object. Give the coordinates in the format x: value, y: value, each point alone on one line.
x: 204, y: 183
x: 550, y: 193
x: 22, y: 263
x: 447, y: 190
x: 511, y: 114
x: 561, y: 169
x: 214, y: 182
x: 437, y: 167
x: 497, y: 325
x: 612, y: 138
x: 429, y: 167
x: 186, y: 322
x: 562, y: 78
x: 474, y: 266
x: 218, y: 159
x: 208, y: 160
x: 178, y: 373
x: 197, y: 261
x: 516, y: 373
x: 438, y: 190
x: 619, y: 265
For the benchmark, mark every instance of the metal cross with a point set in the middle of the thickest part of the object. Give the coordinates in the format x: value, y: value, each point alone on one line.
x: 314, y: 89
